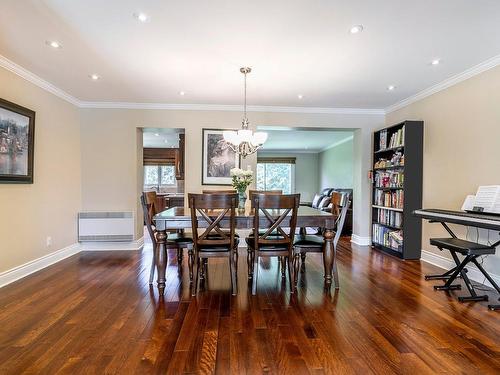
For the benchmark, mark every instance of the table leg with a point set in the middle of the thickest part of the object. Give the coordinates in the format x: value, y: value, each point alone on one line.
x: 328, y: 256
x: 161, y: 259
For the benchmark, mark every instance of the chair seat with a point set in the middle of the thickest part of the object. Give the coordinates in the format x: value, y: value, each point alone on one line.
x: 462, y: 246
x: 215, y: 248
x: 309, y: 241
x: 250, y: 240
x: 179, y: 238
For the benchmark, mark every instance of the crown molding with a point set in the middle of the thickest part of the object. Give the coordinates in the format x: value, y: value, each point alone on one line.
x: 37, y: 81
x: 469, y: 73
x: 231, y: 108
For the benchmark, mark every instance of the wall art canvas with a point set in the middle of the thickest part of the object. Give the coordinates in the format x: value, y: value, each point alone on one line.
x: 17, y: 136
x: 217, y: 158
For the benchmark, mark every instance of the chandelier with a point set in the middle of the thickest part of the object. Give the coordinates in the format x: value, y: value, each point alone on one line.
x: 244, y: 141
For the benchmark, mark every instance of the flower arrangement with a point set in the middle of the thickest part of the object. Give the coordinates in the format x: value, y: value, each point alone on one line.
x: 241, y: 179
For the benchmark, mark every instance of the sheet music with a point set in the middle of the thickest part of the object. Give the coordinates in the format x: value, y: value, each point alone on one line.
x: 488, y: 197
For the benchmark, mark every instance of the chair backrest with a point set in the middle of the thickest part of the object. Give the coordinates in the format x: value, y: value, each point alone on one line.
x: 271, y: 210
x: 232, y: 191
x: 148, y: 203
x: 251, y: 193
x: 342, y: 203
x: 213, y: 209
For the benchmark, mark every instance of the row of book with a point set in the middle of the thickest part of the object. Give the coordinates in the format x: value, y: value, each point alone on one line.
x: 392, y: 199
x: 388, y: 237
x: 393, y: 179
x: 387, y: 217
x: 396, y: 140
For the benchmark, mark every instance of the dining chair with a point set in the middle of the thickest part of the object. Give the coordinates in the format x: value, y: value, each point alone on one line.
x: 305, y: 243
x: 270, y: 212
x: 177, y: 241
x: 213, y: 210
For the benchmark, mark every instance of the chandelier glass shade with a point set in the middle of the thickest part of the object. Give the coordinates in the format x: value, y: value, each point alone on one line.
x: 244, y: 141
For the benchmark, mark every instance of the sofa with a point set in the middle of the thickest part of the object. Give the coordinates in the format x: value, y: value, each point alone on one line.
x: 321, y: 201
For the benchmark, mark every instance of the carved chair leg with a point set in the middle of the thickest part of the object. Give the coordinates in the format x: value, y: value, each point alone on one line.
x: 250, y: 262
x: 289, y: 268
x: 232, y: 270
x: 296, y: 262
x: 190, y: 263
x: 282, y: 261
x: 335, y: 270
x: 255, y: 273
x: 197, y: 272
x: 153, y: 267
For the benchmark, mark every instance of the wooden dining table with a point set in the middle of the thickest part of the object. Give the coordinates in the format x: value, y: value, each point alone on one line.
x: 176, y: 218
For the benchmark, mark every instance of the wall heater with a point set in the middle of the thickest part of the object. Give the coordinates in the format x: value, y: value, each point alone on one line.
x: 105, y: 226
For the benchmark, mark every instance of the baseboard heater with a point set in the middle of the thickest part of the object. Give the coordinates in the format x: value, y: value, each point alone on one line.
x: 105, y: 226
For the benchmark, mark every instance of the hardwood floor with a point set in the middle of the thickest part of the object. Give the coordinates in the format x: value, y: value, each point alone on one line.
x: 95, y: 313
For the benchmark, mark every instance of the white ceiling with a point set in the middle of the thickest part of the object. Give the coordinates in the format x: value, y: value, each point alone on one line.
x: 302, y: 140
x: 161, y: 138
x: 294, y: 47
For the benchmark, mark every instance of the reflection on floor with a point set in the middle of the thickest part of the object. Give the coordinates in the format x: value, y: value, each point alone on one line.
x: 95, y: 313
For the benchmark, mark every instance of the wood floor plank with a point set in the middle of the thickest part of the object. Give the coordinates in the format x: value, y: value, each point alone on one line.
x: 95, y: 313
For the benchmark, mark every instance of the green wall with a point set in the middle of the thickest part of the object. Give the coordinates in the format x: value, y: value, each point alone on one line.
x: 336, y: 166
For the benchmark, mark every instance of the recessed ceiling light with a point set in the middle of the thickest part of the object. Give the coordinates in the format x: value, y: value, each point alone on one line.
x: 356, y: 29
x: 141, y: 17
x: 157, y: 134
x: 53, y: 43
x: 436, y: 62
x: 182, y: 93
x: 94, y: 77
x: 300, y: 96
x: 391, y: 87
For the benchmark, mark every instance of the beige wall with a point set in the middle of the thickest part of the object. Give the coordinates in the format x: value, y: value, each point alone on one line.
x: 48, y: 207
x: 461, y: 147
x: 111, y: 179
x: 336, y: 166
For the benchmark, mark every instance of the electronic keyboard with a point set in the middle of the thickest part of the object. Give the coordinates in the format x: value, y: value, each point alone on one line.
x: 475, y: 219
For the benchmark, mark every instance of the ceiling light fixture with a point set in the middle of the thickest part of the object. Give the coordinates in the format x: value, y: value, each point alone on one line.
x: 182, y: 93
x: 436, y: 62
x: 356, y: 29
x: 141, y: 17
x: 391, y: 87
x: 53, y: 43
x: 300, y: 96
x: 94, y: 77
x: 244, y: 141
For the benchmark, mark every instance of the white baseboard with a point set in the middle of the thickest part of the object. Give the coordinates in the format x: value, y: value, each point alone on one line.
x: 362, y: 241
x: 109, y: 246
x: 26, y: 269
x: 447, y: 263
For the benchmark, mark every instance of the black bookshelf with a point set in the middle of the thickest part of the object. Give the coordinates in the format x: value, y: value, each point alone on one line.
x: 399, y: 184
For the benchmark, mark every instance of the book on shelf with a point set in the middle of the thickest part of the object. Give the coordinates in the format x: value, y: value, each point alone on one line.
x: 388, y: 237
x: 389, y: 179
x: 397, y: 138
x: 391, y: 218
x: 383, y: 140
x: 391, y: 199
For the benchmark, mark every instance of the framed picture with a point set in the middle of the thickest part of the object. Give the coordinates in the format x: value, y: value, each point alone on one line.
x: 217, y: 158
x: 17, y: 137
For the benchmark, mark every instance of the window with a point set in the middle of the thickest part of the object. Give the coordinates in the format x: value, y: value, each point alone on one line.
x: 276, y: 174
x: 157, y: 176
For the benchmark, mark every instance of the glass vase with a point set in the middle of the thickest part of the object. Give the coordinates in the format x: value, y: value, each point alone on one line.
x: 242, y: 199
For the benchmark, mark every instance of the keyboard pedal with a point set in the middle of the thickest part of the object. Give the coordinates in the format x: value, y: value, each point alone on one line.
x: 451, y: 287
x: 473, y: 298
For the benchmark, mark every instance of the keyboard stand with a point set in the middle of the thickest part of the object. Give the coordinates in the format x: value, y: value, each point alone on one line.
x: 460, y: 270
